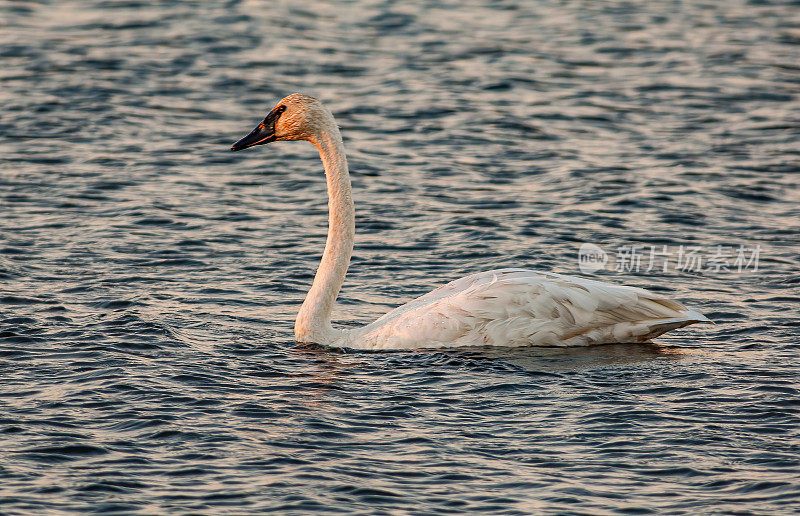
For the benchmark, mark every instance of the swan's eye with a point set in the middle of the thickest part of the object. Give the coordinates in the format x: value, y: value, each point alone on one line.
x: 281, y: 109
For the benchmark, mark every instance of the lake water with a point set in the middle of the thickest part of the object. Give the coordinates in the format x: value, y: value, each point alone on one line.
x: 150, y: 277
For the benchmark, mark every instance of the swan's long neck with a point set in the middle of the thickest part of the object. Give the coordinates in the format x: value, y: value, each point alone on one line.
x: 313, y: 322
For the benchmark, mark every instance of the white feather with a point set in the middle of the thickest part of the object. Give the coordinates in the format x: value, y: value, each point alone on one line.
x: 518, y: 307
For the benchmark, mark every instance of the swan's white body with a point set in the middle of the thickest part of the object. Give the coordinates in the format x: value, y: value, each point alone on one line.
x: 519, y: 307
x: 506, y: 307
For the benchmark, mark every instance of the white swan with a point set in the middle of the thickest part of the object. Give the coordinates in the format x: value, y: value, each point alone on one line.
x: 506, y: 307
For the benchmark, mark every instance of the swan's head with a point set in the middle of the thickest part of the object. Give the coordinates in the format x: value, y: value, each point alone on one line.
x: 296, y: 117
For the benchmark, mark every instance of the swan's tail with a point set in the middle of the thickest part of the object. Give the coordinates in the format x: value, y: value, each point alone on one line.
x: 661, y: 326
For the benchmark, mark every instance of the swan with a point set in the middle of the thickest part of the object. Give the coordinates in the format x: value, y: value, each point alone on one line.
x: 505, y: 307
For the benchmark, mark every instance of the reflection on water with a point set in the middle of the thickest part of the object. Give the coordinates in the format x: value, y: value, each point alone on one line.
x: 576, y: 359
x: 149, y: 277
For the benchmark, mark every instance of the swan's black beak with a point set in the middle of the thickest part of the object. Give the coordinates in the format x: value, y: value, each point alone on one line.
x: 263, y: 133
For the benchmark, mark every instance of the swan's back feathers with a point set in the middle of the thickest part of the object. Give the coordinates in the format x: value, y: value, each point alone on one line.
x: 519, y: 307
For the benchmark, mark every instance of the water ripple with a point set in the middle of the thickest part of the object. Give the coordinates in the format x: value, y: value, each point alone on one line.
x: 150, y: 278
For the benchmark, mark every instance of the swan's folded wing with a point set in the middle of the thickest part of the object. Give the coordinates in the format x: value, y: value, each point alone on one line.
x: 518, y: 307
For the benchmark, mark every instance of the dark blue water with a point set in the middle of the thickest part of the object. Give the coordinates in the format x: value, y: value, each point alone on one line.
x: 150, y: 277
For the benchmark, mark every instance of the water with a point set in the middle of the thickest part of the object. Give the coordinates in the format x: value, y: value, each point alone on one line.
x: 150, y: 277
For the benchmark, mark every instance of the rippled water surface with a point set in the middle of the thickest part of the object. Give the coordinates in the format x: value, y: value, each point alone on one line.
x: 150, y: 277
